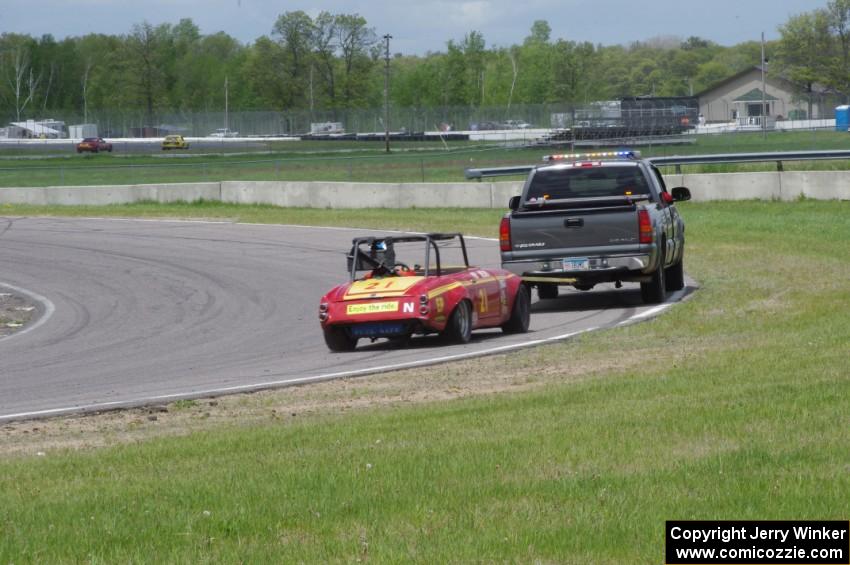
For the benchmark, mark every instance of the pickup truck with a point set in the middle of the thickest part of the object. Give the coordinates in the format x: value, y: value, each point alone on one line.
x: 584, y: 219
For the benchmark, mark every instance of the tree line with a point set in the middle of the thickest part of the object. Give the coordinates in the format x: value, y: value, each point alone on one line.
x: 336, y: 62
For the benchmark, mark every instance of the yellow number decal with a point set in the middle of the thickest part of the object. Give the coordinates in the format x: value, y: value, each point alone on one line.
x: 482, y: 300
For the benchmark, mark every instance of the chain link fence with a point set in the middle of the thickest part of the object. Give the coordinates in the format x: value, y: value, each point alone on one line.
x: 632, y: 116
x: 136, y: 124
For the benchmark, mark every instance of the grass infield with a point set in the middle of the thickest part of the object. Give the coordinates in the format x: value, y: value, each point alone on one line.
x: 733, y: 405
x: 366, y: 162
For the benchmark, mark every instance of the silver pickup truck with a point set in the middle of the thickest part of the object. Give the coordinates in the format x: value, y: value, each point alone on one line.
x: 584, y: 219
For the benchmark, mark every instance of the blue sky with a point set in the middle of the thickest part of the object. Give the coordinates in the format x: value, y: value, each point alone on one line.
x: 418, y: 26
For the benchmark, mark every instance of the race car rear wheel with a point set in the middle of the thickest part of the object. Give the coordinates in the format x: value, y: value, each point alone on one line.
x: 520, y: 314
x: 459, y: 328
x: 337, y: 339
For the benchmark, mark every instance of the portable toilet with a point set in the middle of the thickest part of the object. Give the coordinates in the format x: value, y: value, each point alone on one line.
x: 842, y: 118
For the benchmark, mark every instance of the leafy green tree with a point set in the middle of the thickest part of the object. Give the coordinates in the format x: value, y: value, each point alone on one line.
x: 800, y: 55
x: 264, y: 71
x: 535, y: 80
x: 709, y: 74
x: 148, y: 66
x: 324, y: 44
x: 454, y: 77
x: 540, y: 32
x: 838, y: 72
x: 355, y: 39
x: 474, y: 53
x: 294, y: 31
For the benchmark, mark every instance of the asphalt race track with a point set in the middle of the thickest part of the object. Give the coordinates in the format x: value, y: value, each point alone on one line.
x: 137, y: 312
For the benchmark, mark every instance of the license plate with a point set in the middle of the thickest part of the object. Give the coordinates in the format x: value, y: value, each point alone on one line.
x: 577, y: 264
x: 371, y: 308
x: 382, y: 329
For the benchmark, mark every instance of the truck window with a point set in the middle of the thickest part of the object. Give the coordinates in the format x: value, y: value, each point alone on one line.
x: 661, y: 185
x: 586, y: 182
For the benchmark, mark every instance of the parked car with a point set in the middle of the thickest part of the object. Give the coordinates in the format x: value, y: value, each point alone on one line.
x: 94, y: 145
x: 224, y: 132
x: 516, y: 124
x: 174, y: 142
x: 484, y: 126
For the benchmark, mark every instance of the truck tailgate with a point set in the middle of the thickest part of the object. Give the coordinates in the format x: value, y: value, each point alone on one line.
x: 566, y: 232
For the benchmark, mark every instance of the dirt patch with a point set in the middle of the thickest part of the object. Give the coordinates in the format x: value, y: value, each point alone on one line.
x: 16, y: 310
x: 493, y: 375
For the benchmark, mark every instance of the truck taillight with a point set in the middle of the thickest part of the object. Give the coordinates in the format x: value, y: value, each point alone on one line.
x: 644, y: 227
x: 505, y: 234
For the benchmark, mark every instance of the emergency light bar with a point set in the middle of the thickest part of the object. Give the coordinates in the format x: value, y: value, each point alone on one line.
x: 593, y: 156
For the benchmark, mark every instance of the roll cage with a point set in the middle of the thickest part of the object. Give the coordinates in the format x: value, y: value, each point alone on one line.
x: 370, y: 253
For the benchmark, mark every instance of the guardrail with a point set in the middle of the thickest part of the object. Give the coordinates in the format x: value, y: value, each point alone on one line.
x: 678, y: 160
x: 777, y: 156
x: 478, y: 174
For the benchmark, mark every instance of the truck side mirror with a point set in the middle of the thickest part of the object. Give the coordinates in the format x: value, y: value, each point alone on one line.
x: 680, y: 194
x: 513, y: 203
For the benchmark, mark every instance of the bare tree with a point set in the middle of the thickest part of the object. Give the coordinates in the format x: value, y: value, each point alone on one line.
x: 47, y: 88
x: 86, y: 71
x: 515, y: 69
x: 23, y: 82
x: 324, y: 39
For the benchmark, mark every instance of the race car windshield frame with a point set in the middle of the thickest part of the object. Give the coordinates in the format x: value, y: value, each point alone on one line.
x: 368, y: 253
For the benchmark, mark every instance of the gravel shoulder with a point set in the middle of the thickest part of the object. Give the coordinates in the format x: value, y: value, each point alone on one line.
x: 16, y: 311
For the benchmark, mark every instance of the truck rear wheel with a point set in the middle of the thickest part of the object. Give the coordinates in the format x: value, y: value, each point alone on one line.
x: 675, y: 276
x: 654, y: 291
x: 547, y: 291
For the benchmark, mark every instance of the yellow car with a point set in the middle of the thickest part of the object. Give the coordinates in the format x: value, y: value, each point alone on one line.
x: 174, y: 142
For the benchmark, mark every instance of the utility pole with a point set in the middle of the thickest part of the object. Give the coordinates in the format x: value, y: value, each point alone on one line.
x: 763, y: 93
x: 387, y: 38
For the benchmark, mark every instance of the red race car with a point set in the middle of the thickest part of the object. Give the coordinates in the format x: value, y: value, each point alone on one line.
x: 424, y: 293
x: 94, y: 145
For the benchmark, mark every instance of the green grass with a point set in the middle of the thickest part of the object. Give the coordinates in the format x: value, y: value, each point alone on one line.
x: 732, y: 405
x: 433, y: 219
x: 366, y: 162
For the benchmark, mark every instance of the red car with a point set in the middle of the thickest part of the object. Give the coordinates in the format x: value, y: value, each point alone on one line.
x: 425, y: 293
x: 94, y: 144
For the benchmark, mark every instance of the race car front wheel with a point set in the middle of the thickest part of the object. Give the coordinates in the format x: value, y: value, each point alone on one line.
x: 337, y: 339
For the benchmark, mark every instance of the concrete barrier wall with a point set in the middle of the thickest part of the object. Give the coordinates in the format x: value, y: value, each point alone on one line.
x: 729, y: 186
x: 101, y: 195
x: 786, y: 185
x: 821, y: 185
x: 364, y: 195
